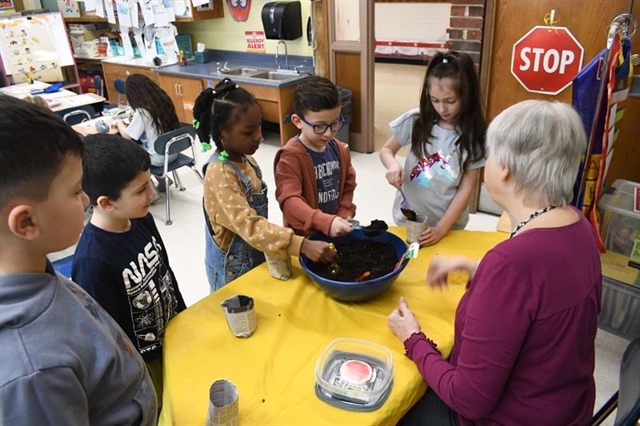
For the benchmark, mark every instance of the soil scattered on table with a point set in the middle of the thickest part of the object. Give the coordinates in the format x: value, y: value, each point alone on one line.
x: 357, y: 257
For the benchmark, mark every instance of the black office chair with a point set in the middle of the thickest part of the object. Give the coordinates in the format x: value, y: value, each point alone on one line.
x: 77, y: 116
x: 170, y: 143
x: 627, y: 399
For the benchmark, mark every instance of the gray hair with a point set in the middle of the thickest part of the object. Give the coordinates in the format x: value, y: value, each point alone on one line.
x: 541, y: 143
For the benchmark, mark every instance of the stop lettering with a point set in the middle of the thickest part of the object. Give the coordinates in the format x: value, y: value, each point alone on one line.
x: 546, y: 59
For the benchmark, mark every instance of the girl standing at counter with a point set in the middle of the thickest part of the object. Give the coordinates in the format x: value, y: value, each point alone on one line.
x: 235, y: 196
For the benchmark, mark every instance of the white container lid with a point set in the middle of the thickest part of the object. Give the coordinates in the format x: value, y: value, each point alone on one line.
x: 619, y: 198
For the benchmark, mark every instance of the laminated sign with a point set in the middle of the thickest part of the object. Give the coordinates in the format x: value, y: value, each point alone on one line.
x: 255, y: 41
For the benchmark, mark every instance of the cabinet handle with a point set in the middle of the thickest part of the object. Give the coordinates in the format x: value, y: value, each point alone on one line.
x: 127, y: 72
x: 175, y: 89
x: 180, y: 86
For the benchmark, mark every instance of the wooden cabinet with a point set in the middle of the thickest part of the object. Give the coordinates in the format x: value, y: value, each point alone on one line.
x: 114, y: 71
x: 276, y: 104
x: 183, y: 92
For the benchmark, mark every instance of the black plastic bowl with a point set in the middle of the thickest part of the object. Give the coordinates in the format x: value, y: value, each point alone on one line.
x: 357, y: 291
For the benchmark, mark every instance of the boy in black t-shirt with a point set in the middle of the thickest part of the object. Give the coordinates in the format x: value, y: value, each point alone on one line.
x: 120, y: 259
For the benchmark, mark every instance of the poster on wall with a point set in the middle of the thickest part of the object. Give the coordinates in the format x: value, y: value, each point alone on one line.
x: 28, y: 51
x: 255, y: 41
x: 69, y: 8
x: 6, y: 6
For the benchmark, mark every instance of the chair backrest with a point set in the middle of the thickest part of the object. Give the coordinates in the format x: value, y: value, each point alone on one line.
x: 120, y: 85
x: 176, y: 141
x: 629, y: 394
x: 79, y: 115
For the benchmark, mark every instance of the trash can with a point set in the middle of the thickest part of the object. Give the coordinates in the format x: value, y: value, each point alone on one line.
x: 347, y: 108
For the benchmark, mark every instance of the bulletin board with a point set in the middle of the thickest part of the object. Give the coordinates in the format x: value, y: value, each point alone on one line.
x: 35, y: 46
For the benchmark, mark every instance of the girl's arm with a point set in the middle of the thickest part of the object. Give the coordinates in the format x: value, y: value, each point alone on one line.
x: 395, y: 171
x: 122, y: 129
x: 460, y: 201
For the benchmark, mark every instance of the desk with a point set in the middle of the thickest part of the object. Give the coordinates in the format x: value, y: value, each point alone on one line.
x: 59, y: 101
x: 274, y: 370
x: 89, y: 127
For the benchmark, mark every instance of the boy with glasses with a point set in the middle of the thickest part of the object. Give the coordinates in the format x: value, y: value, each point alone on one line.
x: 314, y: 177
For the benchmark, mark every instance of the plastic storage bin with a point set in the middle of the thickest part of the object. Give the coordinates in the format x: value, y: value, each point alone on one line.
x: 620, y: 224
x: 620, y: 313
x: 354, y: 374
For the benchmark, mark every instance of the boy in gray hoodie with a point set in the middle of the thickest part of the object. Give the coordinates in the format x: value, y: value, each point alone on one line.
x: 63, y: 360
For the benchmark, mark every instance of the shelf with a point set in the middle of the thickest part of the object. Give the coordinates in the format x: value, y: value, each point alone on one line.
x: 85, y: 19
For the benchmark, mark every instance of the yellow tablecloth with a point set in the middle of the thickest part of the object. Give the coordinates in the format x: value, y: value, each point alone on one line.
x: 274, y: 370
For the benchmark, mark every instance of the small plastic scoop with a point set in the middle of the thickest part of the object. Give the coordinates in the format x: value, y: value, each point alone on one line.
x: 411, y: 253
x: 405, y: 208
x: 375, y: 228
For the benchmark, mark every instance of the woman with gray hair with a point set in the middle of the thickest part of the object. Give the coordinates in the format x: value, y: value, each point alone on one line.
x: 525, y: 328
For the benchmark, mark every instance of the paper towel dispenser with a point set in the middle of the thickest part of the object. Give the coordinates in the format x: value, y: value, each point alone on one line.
x: 282, y: 20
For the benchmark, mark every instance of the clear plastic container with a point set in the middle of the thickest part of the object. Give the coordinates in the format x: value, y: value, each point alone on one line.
x: 620, y: 312
x: 354, y: 374
x: 620, y: 224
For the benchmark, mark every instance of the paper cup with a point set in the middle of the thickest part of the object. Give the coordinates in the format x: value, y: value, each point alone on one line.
x: 223, y: 404
x: 279, y: 267
x: 415, y: 228
x: 240, y: 315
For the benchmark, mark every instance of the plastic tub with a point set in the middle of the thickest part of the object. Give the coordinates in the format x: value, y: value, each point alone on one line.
x: 354, y: 374
x: 620, y: 224
x: 620, y: 312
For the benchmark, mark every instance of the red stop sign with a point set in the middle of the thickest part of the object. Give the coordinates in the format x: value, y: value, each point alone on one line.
x: 546, y: 59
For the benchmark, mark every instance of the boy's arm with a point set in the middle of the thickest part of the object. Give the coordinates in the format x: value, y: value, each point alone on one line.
x: 53, y: 396
x: 295, y: 208
x: 106, y: 287
x: 346, y: 208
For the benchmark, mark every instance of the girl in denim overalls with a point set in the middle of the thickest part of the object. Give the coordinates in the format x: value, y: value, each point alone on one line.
x: 235, y: 196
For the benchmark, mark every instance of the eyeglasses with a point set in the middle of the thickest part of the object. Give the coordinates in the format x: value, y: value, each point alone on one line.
x: 321, y: 129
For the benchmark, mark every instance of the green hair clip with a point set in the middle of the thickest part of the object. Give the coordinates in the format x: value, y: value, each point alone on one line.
x: 196, y: 124
x: 206, y: 146
x: 223, y: 155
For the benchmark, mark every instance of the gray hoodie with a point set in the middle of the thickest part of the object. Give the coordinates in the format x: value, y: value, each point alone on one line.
x: 64, y: 361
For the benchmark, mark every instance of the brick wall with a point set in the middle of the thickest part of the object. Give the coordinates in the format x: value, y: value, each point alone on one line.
x: 467, y: 22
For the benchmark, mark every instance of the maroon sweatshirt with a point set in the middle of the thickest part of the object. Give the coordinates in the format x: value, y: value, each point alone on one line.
x: 524, y: 350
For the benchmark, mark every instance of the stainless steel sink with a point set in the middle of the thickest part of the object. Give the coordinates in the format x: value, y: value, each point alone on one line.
x: 275, y: 75
x: 239, y: 71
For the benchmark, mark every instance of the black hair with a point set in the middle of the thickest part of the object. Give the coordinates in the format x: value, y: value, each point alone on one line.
x: 142, y: 92
x: 459, y: 67
x: 34, y: 142
x: 109, y: 163
x: 315, y: 93
x: 219, y: 109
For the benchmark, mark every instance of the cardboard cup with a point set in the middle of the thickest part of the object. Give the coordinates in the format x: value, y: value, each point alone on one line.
x: 415, y: 228
x: 279, y: 267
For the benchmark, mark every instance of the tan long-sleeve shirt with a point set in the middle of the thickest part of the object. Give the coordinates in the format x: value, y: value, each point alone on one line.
x: 229, y: 212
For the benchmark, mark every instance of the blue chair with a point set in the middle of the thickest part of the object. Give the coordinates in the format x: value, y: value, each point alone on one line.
x: 77, y: 116
x: 627, y: 399
x: 170, y: 143
x: 121, y: 87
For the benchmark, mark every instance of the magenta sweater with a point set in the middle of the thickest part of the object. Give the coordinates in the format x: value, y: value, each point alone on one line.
x: 524, y: 333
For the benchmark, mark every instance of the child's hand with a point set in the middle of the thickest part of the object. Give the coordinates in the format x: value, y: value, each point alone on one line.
x: 317, y: 251
x: 339, y: 227
x: 441, y: 266
x: 431, y: 235
x: 395, y: 175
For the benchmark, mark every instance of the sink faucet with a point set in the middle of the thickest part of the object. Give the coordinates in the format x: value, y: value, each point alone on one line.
x: 286, y: 54
x: 219, y: 68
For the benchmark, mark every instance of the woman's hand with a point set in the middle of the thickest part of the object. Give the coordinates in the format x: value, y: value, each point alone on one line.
x: 402, y: 322
x: 317, y: 251
x: 431, y: 235
x: 395, y: 175
x: 441, y: 266
x: 339, y: 227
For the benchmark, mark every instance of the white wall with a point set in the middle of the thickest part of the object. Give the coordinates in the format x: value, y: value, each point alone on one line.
x: 426, y: 22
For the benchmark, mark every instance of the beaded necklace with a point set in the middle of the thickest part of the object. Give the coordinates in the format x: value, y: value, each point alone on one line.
x: 531, y: 217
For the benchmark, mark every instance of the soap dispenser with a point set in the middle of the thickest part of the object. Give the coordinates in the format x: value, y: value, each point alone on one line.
x: 282, y: 20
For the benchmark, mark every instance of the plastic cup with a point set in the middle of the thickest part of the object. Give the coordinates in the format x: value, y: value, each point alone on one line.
x: 223, y: 404
x: 279, y: 267
x: 240, y: 315
x: 415, y: 228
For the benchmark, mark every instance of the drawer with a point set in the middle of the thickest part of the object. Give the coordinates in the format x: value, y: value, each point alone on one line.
x: 263, y: 92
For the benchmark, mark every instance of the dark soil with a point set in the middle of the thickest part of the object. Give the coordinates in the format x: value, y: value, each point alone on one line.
x: 358, y: 257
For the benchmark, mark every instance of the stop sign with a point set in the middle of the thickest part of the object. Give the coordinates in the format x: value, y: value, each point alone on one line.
x: 546, y: 59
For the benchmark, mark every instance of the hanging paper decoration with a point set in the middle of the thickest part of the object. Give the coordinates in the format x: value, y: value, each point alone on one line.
x: 239, y: 9
x: 599, y: 95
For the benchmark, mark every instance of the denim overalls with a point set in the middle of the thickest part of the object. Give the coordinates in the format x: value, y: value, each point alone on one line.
x: 240, y: 257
